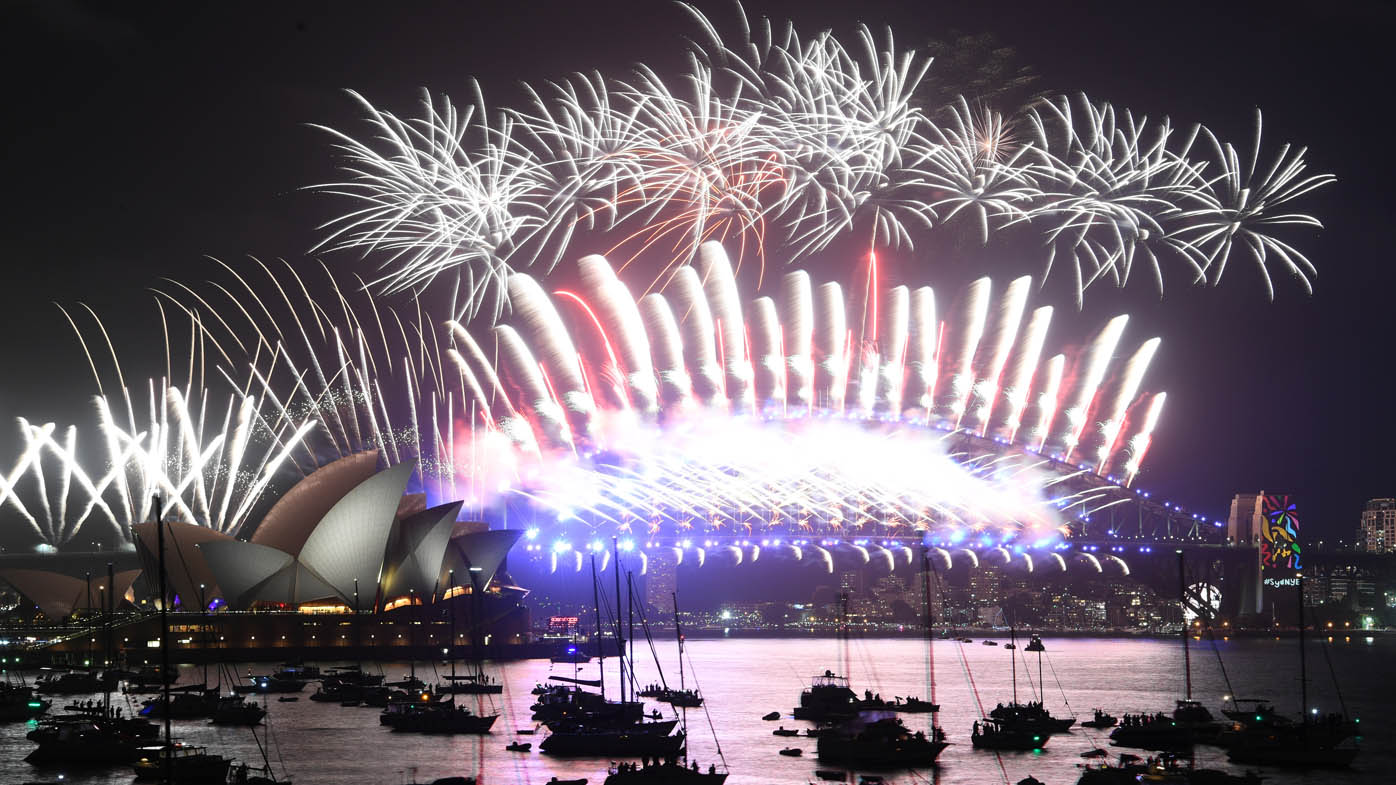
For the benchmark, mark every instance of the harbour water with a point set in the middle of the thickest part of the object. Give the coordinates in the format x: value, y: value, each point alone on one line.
x: 743, y: 679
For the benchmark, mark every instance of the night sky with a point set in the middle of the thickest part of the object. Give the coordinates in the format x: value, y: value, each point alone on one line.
x: 140, y: 140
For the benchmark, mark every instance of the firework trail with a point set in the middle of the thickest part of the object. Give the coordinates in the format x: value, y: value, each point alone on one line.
x: 771, y: 142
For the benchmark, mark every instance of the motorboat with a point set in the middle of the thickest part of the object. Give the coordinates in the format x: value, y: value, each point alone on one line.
x: 1101, y: 720
x: 827, y: 699
x: 884, y: 743
x: 792, y: 752
x: 19, y: 703
x: 236, y: 711
x: 181, y: 763
x: 664, y: 774
x: 992, y: 734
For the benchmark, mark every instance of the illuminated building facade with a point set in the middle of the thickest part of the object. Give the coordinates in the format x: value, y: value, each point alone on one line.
x: 1378, y: 532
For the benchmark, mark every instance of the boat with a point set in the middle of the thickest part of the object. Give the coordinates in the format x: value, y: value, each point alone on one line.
x: 991, y: 643
x: 667, y: 773
x: 612, y: 742
x: 1101, y: 720
x: 682, y: 697
x: 1170, y: 769
x: 269, y: 684
x: 831, y: 775
x: 827, y: 699
x: 519, y: 746
x: 775, y: 715
x: 1010, y: 646
x: 792, y: 752
x: 572, y: 654
x: 471, y: 684
x: 99, y: 735
x: 442, y: 718
x: 1032, y: 716
x: 235, y: 710
x: 1095, y: 753
x: 245, y: 774
x: 912, y: 705
x: 1156, y: 731
x: 870, y: 741
x: 672, y: 770
x: 190, y: 702
x: 1188, y: 723
x: 991, y: 734
x: 1311, y: 742
x: 784, y: 731
x: 68, y: 683
x: 18, y: 702
x: 553, y: 781
x: 80, y: 742
x: 174, y: 762
x: 181, y: 763
x: 881, y: 744
x: 287, y: 699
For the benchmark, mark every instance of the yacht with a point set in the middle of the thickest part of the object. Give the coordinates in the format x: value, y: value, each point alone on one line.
x: 991, y: 734
x: 181, y: 764
x: 885, y: 743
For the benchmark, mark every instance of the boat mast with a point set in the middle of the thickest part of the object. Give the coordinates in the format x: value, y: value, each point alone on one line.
x: 620, y: 640
x: 1182, y: 608
x: 106, y: 641
x: 358, y: 638
x: 630, y: 607
x: 164, y: 636
x: 930, y: 631
x: 1303, y: 663
x: 678, y: 633
x: 451, y: 607
x: 600, y: 649
x: 412, y: 635
x: 1013, y: 661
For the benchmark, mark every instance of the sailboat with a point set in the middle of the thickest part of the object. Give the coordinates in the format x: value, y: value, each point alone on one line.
x: 432, y: 714
x: 583, y: 723
x: 1190, y: 720
x: 175, y: 764
x: 100, y: 736
x: 1033, y: 715
x: 1312, y: 741
x: 669, y: 771
x: 476, y: 682
x: 886, y: 742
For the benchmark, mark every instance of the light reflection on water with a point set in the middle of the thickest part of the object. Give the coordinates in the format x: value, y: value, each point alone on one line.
x: 743, y: 679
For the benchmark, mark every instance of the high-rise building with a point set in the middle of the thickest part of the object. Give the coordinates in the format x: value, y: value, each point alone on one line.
x: 984, y: 586
x: 1379, y: 526
x: 661, y: 581
x: 1246, y: 522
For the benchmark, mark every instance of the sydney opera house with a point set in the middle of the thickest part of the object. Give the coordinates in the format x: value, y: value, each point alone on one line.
x: 348, y: 538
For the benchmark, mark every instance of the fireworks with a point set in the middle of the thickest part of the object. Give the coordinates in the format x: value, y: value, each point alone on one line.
x: 775, y: 141
x: 654, y: 396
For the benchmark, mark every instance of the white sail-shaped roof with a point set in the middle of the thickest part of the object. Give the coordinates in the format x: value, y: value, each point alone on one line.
x: 349, y: 543
x: 416, y: 548
x: 482, y: 550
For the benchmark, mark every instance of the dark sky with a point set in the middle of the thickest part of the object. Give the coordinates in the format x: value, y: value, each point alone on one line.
x: 141, y: 138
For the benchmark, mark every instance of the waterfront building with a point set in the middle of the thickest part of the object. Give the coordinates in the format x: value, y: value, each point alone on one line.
x: 1378, y: 528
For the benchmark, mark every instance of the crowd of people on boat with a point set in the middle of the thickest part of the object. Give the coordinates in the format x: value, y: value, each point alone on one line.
x: 1145, y: 720
x: 648, y: 762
